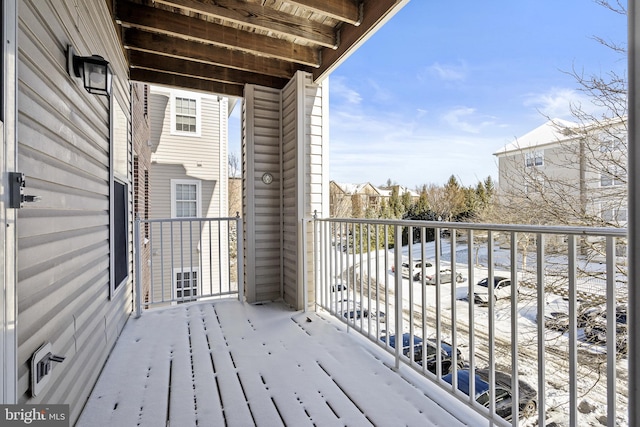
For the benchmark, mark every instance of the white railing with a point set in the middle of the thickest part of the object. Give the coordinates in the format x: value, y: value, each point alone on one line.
x: 569, y: 368
x: 187, y: 259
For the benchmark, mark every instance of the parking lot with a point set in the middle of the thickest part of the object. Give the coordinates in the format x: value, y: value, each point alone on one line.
x: 485, y: 333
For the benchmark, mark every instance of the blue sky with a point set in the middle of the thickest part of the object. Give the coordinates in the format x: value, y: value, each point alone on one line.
x: 443, y: 85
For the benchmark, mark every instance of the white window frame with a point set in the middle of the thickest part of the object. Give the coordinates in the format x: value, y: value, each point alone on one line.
x: 198, y: 184
x: 196, y: 286
x: 191, y: 96
x: 120, y: 173
x: 534, y: 158
x: 618, y: 215
x: 611, y: 177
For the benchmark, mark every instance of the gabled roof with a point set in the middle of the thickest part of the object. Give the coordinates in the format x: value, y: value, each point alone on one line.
x: 350, y: 188
x: 552, y: 132
x: 387, y: 191
x: 219, y: 46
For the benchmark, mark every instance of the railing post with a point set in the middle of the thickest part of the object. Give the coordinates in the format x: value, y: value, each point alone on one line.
x: 137, y: 279
x: 316, y: 259
x: 305, y: 278
x: 397, y: 250
x: 240, y: 256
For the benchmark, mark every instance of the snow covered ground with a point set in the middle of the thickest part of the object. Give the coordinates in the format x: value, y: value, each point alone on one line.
x: 591, y: 372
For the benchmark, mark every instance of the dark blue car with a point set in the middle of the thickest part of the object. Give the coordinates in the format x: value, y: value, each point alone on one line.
x: 445, y: 351
x: 503, y: 393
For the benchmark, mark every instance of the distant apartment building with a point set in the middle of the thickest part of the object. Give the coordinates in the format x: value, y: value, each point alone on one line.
x: 573, y: 173
x: 349, y: 200
x: 188, y: 180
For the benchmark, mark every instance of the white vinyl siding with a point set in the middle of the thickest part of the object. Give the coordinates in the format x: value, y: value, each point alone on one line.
x: 262, y: 202
x: 64, y: 152
x: 284, y: 135
x: 180, y: 159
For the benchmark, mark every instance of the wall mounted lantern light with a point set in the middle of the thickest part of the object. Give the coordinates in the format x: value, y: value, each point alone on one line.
x: 94, y: 70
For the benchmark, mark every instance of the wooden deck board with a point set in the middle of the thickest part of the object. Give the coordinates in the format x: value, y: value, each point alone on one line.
x: 226, y: 363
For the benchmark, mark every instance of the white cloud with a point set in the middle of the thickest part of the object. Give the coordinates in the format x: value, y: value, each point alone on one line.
x: 340, y: 90
x: 557, y: 102
x: 449, y: 72
x: 467, y: 120
x: 409, y: 150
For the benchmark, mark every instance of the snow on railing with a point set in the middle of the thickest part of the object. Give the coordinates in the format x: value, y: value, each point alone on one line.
x: 547, y: 342
x: 187, y: 259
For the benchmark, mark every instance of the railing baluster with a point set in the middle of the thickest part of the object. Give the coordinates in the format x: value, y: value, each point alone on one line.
x: 138, y: 260
x: 471, y: 302
x: 611, y: 331
x: 240, y: 256
x: 438, y: 319
x: 492, y: 328
x: 386, y: 284
x: 397, y: 249
x: 513, y: 250
x: 541, y: 328
x: 454, y: 319
x: 423, y: 241
x: 573, y: 332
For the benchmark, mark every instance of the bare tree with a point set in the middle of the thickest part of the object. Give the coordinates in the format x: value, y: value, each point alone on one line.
x: 448, y: 201
x: 234, y: 166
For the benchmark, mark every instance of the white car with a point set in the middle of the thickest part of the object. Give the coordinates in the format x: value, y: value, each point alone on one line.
x: 501, y: 289
x: 416, y: 271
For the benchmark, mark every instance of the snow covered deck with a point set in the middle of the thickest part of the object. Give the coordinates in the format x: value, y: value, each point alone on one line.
x: 227, y: 363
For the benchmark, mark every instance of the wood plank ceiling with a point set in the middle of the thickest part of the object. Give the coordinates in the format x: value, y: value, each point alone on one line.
x: 221, y: 45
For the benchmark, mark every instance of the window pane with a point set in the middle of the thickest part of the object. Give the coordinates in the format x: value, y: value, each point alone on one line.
x: 185, y: 115
x: 622, y: 215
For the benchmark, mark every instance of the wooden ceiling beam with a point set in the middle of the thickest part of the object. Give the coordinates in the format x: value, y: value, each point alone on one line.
x: 343, y: 10
x: 184, y: 82
x: 195, y: 51
x: 166, y: 64
x: 263, y: 18
x: 157, y: 20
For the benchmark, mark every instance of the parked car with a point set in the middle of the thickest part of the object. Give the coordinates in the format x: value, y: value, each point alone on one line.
x: 431, y: 359
x: 596, y: 328
x: 557, y: 320
x: 501, y: 289
x: 527, y: 396
x: 416, y: 271
x: 445, y: 277
x: 556, y: 314
x: 445, y: 356
x: 352, y: 310
x: 339, y: 287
